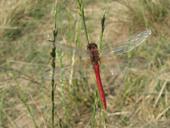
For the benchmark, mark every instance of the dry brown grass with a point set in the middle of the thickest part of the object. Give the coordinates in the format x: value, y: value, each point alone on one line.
x: 141, y: 95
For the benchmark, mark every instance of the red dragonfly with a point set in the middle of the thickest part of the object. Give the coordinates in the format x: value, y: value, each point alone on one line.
x: 92, y: 51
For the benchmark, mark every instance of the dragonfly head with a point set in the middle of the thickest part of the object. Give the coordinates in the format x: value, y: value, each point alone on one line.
x: 92, y: 46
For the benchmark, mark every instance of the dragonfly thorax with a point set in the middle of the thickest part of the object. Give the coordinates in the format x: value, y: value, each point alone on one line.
x: 94, y: 54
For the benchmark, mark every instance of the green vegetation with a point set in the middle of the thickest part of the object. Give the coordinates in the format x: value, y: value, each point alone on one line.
x: 138, y: 97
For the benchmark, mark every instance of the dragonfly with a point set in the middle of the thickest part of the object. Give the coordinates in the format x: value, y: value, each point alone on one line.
x: 94, y: 55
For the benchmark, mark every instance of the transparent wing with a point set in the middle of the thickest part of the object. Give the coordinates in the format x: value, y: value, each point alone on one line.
x: 65, y: 48
x: 62, y: 45
x: 37, y: 71
x: 72, y: 50
x: 133, y: 42
x: 42, y: 71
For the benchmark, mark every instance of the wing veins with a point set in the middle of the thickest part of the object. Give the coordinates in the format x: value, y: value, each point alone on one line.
x: 132, y: 43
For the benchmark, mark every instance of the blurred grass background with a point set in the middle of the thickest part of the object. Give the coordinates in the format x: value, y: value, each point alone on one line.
x: 141, y: 97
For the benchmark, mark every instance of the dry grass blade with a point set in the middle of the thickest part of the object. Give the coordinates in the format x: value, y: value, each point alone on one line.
x: 160, y: 93
x: 136, y: 84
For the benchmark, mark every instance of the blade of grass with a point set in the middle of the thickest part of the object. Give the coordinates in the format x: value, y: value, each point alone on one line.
x: 81, y: 8
x: 23, y: 99
x: 102, y: 30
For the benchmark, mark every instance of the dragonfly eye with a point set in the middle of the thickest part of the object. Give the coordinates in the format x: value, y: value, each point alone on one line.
x: 92, y: 46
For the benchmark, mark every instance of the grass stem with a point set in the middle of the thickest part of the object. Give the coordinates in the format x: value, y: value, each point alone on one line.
x: 81, y: 7
x: 102, y: 30
x: 53, y: 65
